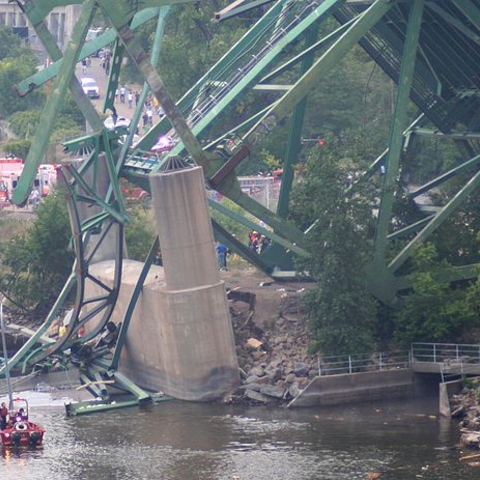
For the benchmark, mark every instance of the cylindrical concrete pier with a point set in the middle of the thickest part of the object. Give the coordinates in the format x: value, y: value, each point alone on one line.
x: 184, y: 228
x: 197, y: 348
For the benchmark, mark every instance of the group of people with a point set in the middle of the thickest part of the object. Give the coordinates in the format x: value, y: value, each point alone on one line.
x: 127, y: 96
x: 258, y: 242
x: 7, y: 420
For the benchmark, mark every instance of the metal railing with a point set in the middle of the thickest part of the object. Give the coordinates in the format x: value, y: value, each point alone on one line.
x: 336, y: 365
x: 454, y: 360
x: 463, y: 359
x: 445, y: 353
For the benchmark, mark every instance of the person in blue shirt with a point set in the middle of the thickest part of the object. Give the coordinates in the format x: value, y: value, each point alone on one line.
x: 222, y: 251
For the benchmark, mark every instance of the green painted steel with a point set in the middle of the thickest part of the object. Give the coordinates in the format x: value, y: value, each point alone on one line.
x: 292, y: 149
x: 392, y: 163
x: 60, y: 85
x: 436, y: 72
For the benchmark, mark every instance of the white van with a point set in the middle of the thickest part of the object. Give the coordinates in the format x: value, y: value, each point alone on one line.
x: 90, y: 87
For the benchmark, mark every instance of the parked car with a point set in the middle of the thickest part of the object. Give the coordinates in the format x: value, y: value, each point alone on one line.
x: 90, y: 87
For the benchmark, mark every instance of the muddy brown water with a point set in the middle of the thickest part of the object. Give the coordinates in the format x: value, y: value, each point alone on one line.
x: 187, y: 441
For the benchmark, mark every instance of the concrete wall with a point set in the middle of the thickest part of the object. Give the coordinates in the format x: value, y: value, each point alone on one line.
x: 357, y: 387
x: 60, y: 22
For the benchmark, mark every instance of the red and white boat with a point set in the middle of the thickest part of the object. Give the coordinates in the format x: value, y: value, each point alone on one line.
x: 20, y: 431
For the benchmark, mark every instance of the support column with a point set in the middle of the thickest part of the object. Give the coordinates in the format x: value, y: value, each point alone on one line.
x: 196, y: 341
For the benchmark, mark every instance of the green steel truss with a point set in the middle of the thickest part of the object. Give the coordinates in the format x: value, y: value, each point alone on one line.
x: 430, y: 48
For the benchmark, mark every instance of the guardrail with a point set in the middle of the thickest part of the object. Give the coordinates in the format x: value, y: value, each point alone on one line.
x: 445, y: 352
x: 452, y: 360
x: 449, y: 357
x: 336, y: 365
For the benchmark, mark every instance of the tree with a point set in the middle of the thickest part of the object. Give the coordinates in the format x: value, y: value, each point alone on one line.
x: 17, y: 148
x: 434, y: 311
x: 37, y: 263
x: 139, y: 232
x: 341, y: 313
x: 17, y: 62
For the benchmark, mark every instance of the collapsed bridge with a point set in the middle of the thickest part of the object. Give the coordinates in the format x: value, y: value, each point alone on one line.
x: 428, y: 48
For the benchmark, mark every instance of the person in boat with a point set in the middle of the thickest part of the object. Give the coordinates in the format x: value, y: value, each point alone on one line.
x: 3, y: 416
x: 20, y: 415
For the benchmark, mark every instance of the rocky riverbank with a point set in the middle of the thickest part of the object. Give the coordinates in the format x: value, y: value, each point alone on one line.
x: 466, y: 407
x: 272, y: 351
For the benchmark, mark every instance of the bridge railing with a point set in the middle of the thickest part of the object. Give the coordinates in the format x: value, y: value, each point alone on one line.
x: 336, y: 365
x: 445, y: 353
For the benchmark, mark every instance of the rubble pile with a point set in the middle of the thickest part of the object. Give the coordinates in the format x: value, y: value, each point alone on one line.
x: 273, y: 357
x: 466, y: 406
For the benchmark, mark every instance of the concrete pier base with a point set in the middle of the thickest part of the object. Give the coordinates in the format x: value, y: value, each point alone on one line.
x: 196, y: 334
x: 180, y: 339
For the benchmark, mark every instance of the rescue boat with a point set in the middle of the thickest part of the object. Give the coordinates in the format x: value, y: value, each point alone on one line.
x: 20, y: 431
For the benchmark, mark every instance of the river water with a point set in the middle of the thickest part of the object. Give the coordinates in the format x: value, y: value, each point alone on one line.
x: 185, y: 441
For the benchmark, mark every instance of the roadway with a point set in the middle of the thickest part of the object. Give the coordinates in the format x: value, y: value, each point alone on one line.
x: 96, y: 72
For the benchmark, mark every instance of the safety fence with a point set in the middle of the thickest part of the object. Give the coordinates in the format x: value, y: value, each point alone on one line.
x: 459, y: 359
x: 336, y: 365
x: 453, y: 360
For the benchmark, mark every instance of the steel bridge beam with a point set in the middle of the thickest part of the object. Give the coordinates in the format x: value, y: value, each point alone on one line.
x: 47, y: 118
x: 399, y: 123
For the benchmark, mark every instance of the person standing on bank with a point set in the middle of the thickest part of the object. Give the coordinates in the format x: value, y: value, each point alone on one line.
x: 222, y: 251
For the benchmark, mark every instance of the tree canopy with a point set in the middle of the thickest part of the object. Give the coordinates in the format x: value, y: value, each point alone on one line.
x: 341, y: 311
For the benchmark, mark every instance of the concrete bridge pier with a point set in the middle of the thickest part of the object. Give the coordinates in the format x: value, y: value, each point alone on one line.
x: 180, y: 339
x: 195, y: 340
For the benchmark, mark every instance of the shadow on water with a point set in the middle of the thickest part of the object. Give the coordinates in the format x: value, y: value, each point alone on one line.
x: 185, y: 441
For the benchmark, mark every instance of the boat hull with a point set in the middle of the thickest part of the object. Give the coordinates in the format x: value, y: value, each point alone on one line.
x: 22, y: 434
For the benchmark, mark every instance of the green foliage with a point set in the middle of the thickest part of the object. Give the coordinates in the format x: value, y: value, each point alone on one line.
x: 24, y: 123
x: 190, y: 29
x: 69, y: 122
x: 17, y: 62
x: 139, y: 232
x: 468, y: 383
x: 434, y: 311
x: 18, y: 148
x: 37, y: 263
x: 341, y: 312
x: 12, y: 46
x: 232, y: 226
x: 12, y: 71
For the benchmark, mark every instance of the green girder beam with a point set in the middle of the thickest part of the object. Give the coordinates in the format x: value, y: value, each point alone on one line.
x: 59, y: 89
x: 164, y: 125
x: 326, y: 62
x: 293, y: 146
x: 396, y: 135
x: 446, y: 176
x: 88, y: 49
x: 436, y: 222
x: 37, y: 10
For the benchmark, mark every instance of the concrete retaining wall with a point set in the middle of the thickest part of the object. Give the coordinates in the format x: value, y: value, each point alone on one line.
x: 357, y: 387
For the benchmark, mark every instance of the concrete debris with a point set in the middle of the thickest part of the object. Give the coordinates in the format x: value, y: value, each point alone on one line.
x: 272, y: 353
